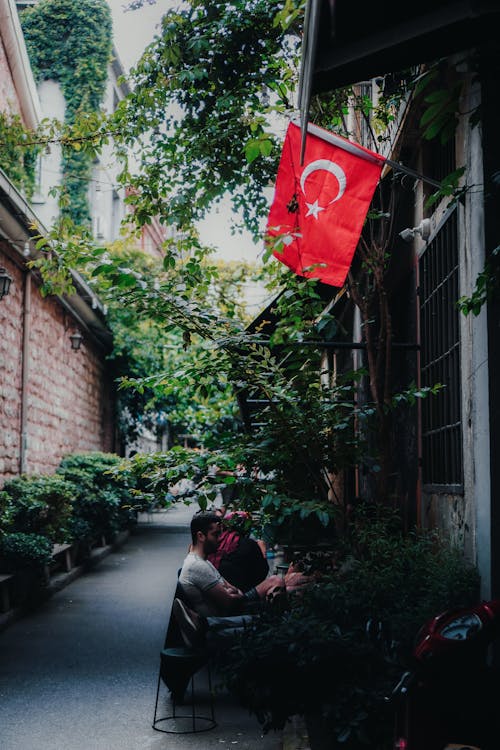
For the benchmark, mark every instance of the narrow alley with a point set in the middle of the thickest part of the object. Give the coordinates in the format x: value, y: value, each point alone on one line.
x: 80, y: 672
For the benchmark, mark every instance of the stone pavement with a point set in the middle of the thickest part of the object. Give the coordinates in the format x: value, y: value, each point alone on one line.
x: 80, y: 672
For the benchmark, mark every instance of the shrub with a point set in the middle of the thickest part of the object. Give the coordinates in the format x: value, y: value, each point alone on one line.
x: 103, y: 502
x: 320, y: 653
x: 38, y: 505
x: 20, y: 550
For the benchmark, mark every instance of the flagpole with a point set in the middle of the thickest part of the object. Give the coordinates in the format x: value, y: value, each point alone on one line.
x: 356, y: 150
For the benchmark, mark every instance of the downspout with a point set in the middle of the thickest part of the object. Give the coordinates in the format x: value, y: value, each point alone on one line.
x: 25, y: 373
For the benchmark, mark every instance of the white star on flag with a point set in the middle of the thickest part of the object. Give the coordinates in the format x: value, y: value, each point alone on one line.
x: 314, y: 209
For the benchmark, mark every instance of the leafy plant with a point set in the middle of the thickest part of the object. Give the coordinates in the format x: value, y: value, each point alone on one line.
x: 150, y: 352
x: 38, y: 505
x: 487, y: 284
x: 69, y: 41
x: 208, y: 89
x: 18, y: 163
x: 24, y: 550
x: 322, y: 654
x: 178, y: 475
x: 103, y: 502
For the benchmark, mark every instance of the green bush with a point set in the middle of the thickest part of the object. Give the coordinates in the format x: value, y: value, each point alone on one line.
x: 19, y: 550
x: 38, y: 505
x: 103, y: 500
x: 319, y: 653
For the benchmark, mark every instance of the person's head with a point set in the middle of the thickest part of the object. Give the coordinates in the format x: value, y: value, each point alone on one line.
x: 205, y: 530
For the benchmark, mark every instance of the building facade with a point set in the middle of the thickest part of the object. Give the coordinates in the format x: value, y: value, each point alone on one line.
x: 54, y: 399
x: 447, y: 448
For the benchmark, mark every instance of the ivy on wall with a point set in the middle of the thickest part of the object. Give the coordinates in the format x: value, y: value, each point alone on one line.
x: 18, y: 164
x: 70, y: 41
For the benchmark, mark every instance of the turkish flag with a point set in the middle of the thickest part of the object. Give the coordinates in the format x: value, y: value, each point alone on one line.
x: 318, y: 209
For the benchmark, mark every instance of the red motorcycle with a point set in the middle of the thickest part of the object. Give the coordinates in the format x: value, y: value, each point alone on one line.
x: 451, y: 697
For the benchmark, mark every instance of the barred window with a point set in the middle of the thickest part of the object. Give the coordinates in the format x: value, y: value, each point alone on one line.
x: 442, y: 459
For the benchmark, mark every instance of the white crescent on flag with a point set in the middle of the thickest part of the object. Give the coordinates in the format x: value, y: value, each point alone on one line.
x: 328, y: 166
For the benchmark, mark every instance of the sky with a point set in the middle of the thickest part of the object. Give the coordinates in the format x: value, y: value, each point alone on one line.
x: 133, y: 31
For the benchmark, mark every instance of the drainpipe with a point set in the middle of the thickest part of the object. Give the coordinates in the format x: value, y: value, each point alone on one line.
x: 25, y: 373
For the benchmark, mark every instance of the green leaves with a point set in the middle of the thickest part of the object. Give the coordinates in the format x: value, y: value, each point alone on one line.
x: 487, y: 284
x: 18, y: 152
x: 69, y: 41
x: 441, y: 116
x: 411, y: 394
x: 207, y: 86
x: 256, y: 147
x: 449, y: 188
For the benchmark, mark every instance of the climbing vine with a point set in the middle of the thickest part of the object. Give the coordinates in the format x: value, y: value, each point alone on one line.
x: 18, y: 164
x: 70, y: 41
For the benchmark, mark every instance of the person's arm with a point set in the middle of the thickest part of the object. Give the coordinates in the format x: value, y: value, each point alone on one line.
x: 231, y: 588
x: 225, y: 596
x: 262, y: 547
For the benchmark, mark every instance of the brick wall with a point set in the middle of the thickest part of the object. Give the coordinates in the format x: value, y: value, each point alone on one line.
x: 9, y: 101
x: 10, y: 371
x: 69, y: 393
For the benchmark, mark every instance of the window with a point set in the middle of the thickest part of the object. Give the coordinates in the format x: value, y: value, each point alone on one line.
x: 440, y: 361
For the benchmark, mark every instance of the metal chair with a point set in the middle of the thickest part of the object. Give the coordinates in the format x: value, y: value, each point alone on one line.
x: 178, y: 666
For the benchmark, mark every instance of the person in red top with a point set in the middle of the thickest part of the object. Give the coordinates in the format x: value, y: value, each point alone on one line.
x: 211, y: 599
x: 238, y: 558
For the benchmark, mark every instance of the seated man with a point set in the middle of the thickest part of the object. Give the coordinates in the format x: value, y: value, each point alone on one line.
x: 211, y: 600
x: 206, y: 591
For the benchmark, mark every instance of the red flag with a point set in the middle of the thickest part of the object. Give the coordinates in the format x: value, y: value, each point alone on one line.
x: 318, y: 210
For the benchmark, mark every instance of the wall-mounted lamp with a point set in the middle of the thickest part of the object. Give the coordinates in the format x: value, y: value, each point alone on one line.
x: 5, y: 282
x: 76, y: 340
x: 423, y: 229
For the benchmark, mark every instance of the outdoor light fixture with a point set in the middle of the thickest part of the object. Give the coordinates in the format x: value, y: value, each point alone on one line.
x: 5, y: 282
x: 423, y: 229
x: 76, y: 340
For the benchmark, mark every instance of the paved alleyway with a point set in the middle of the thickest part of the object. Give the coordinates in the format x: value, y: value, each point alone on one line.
x: 80, y: 673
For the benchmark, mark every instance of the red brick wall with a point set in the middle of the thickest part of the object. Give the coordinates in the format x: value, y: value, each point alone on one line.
x: 11, y: 326
x: 8, y: 96
x: 70, y: 394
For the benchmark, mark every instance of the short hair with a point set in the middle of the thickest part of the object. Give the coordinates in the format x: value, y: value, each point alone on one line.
x: 202, y: 521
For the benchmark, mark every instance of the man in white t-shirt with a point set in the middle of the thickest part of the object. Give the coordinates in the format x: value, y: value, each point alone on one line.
x: 211, y: 599
x: 207, y: 592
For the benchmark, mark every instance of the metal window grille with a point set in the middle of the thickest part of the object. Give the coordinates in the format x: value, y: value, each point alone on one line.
x: 442, y: 458
x: 439, y: 159
x: 366, y: 133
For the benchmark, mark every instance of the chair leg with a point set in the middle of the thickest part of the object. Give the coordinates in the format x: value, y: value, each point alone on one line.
x: 198, y: 723
x: 212, y: 713
x: 157, y: 696
x: 192, y: 704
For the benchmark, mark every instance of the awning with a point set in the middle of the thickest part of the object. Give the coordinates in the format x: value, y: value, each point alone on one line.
x: 345, y: 43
